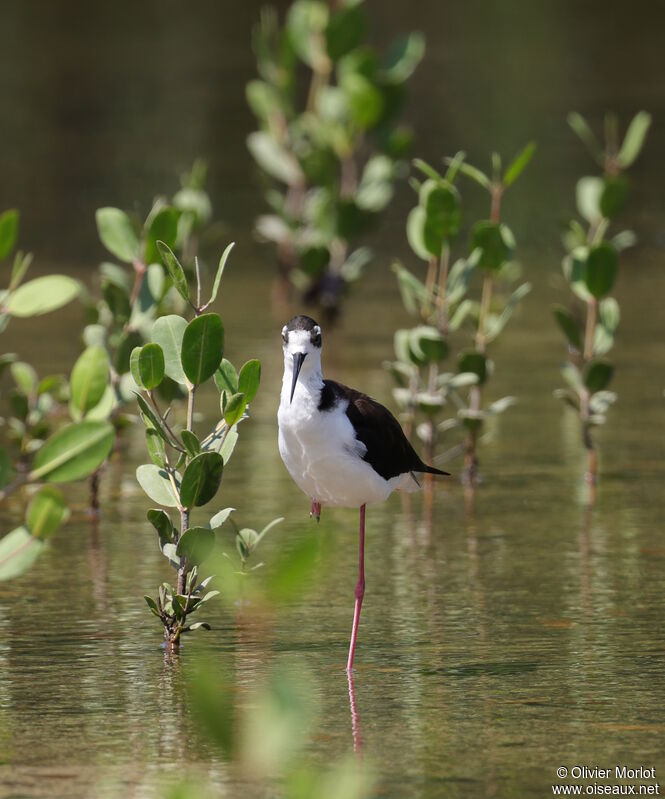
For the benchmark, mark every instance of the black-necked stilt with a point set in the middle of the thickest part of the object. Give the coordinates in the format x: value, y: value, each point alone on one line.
x: 341, y: 447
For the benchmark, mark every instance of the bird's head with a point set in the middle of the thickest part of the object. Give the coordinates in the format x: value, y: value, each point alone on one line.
x: 301, y: 342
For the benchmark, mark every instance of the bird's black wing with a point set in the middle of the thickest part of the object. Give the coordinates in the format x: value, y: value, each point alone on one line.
x: 389, y: 452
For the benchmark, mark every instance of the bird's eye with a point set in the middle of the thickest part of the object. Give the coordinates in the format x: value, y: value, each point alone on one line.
x: 285, y: 334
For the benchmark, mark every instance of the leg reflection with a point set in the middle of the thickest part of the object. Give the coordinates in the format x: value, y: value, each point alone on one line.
x: 355, y: 721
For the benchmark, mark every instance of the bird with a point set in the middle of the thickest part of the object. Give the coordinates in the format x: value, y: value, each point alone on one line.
x: 341, y: 447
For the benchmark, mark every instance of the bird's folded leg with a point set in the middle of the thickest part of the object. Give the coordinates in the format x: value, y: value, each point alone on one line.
x: 316, y: 510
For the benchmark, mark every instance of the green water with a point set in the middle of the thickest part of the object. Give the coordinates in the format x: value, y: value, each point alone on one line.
x: 495, y: 646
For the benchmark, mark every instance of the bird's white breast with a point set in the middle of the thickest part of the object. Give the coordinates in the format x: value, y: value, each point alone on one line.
x: 322, y: 453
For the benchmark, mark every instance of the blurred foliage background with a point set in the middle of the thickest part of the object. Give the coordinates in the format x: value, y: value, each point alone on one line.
x: 495, y: 645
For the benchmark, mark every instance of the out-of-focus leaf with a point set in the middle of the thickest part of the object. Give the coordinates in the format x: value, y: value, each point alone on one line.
x: 601, y: 269
x: 613, y: 198
x: 117, y: 234
x: 8, y: 231
x: 89, y: 379
x: 274, y: 159
x: 580, y: 126
x: 74, y: 452
x: 589, y: 190
x: 18, y: 551
x: 472, y: 361
x: 598, y: 375
x: 46, y: 512
x: 568, y: 325
x: 42, y: 295
x: 403, y: 57
x: 494, y: 242
x: 175, y: 270
x: 634, y: 138
x: 519, y: 164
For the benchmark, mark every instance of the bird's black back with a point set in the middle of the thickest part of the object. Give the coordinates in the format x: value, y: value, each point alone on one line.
x: 389, y: 452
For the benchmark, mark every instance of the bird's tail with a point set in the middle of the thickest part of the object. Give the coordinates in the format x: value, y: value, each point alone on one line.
x: 433, y: 470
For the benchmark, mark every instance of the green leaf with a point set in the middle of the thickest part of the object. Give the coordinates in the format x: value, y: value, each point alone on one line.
x: 152, y: 605
x: 234, y: 409
x: 220, y: 517
x: 42, y: 295
x: 6, y: 468
x: 492, y: 241
x: 161, y: 521
x: 175, y: 270
x: 580, y: 127
x: 443, y: 215
x: 474, y: 173
x: 249, y: 379
x: 365, y: 100
x: 196, y: 544
x: 18, y: 551
x: 634, y: 138
x: 519, y: 164
x: 345, y: 30
x: 151, y: 365
x: 497, y: 323
x: 220, y: 271
x: 19, y: 269
x: 168, y: 332
x: 163, y: 227
x: 156, y: 448
x: 8, y: 231
x: 263, y: 99
x: 157, y: 485
x: 589, y: 190
x: 601, y: 268
x: 428, y: 344
x: 89, y: 379
x: 152, y: 419
x: 572, y: 375
x: 191, y: 442
x: 613, y: 197
x: 568, y: 325
x: 202, y: 347
x: 598, y: 375
x: 230, y: 441
x: 226, y: 377
x: 134, y: 367
x: 403, y: 57
x: 46, y: 512
x: 24, y: 376
x: 117, y: 234
x: 274, y: 159
x: 415, y: 232
x: 74, y: 452
x: 201, y: 479
x: 472, y: 361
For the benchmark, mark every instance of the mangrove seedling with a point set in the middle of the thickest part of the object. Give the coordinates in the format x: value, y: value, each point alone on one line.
x: 444, y: 304
x: 589, y: 323
x: 138, y: 290
x: 37, y: 450
x: 186, y: 466
x: 330, y: 155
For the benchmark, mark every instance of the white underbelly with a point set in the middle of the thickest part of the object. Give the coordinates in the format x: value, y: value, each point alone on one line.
x: 325, y: 461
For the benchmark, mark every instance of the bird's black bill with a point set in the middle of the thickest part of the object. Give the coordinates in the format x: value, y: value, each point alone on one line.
x: 298, y: 359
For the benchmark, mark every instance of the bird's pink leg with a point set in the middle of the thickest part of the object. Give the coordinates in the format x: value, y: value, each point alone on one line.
x: 316, y: 510
x: 360, y: 590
